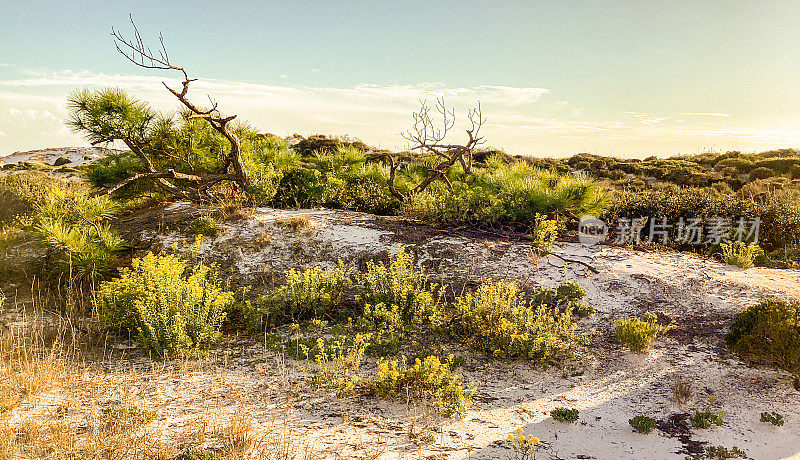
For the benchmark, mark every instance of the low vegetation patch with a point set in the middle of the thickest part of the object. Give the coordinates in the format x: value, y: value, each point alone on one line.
x: 740, y: 254
x: 498, y: 319
x: 642, y: 424
x: 312, y: 294
x: 173, y: 307
x: 769, y: 333
x: 564, y: 415
x: 638, y: 333
x: 428, y: 380
x: 772, y: 417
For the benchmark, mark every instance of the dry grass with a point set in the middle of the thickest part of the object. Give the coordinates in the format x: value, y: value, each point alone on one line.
x: 681, y: 390
x: 301, y: 223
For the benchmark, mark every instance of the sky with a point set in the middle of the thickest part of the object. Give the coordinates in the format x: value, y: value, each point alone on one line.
x: 622, y: 78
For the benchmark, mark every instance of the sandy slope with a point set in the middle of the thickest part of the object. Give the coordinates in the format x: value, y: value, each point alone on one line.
x: 76, y: 155
x: 700, y: 295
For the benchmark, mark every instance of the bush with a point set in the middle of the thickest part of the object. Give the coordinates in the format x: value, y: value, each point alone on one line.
x: 704, y: 419
x: 508, y: 193
x: 772, y: 417
x: 75, y: 227
x: 564, y: 415
x: 761, y: 173
x: 637, y: 334
x: 779, y: 212
x: 497, y: 319
x: 196, y: 454
x: 398, y: 297
x: 740, y: 254
x: 204, y: 225
x: 566, y: 296
x: 113, y: 169
x: 768, y: 333
x: 174, y: 308
x: 307, y: 295
x: 428, y: 380
x: 718, y: 453
x: 642, y: 424
x: 339, y: 363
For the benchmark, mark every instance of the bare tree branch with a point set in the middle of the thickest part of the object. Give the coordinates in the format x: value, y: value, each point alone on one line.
x: 429, y: 139
x: 135, y: 50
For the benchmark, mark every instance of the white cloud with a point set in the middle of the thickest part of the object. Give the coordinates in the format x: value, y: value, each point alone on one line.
x: 704, y: 114
x: 33, y: 107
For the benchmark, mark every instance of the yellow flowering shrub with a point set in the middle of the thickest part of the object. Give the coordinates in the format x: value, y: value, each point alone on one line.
x: 638, y: 333
x: 524, y: 445
x: 174, y: 308
x: 428, y: 380
x: 397, y: 299
x: 498, y: 319
x: 307, y: 295
x: 339, y: 363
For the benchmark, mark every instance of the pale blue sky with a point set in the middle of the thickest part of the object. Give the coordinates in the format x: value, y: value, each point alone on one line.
x: 555, y: 78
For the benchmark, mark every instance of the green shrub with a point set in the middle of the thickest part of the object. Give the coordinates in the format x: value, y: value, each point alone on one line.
x: 704, y: 419
x: 740, y: 254
x: 307, y: 295
x: 204, y: 225
x: 718, y: 453
x: 566, y: 296
x: 761, y: 173
x: 497, y: 319
x: 642, y: 424
x: 113, y: 169
x: 544, y: 233
x: 768, y: 333
x: 429, y: 380
x: 398, y: 297
x: 637, y: 334
x: 772, y: 417
x: 129, y: 415
x: 174, y: 308
x: 75, y: 228
x: 779, y: 213
x: 564, y: 415
x: 197, y: 454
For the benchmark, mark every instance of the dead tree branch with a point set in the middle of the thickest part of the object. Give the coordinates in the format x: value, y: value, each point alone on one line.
x: 428, y: 138
x: 136, y: 51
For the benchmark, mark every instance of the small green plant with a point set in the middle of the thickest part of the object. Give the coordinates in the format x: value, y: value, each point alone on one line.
x: 642, y: 424
x: 339, y: 364
x: 718, y: 453
x: 497, y: 319
x: 567, y: 296
x: 204, y: 225
x: 740, y: 254
x: 769, y: 333
x: 174, y: 308
x: 638, y: 334
x: 564, y: 415
x: 308, y: 295
x: 524, y: 445
x: 129, y: 415
x: 429, y: 380
x: 197, y: 454
x: 772, y: 417
x: 705, y: 418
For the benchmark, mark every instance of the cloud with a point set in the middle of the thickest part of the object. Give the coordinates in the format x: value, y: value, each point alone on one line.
x: 646, y: 119
x: 704, y: 114
x: 520, y: 119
